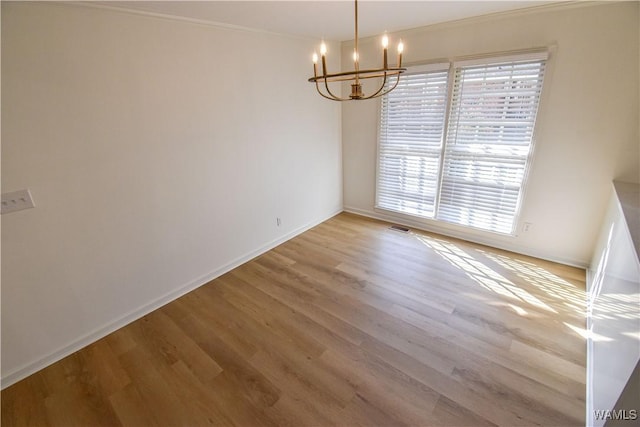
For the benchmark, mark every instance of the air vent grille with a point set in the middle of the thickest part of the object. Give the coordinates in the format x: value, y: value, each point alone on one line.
x: 399, y: 228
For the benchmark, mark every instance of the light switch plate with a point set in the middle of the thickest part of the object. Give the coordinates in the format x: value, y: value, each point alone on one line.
x: 16, y: 201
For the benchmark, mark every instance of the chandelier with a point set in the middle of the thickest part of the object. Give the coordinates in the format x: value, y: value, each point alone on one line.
x: 355, y: 76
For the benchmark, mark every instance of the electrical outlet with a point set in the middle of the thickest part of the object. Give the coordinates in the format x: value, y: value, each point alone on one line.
x: 526, y: 227
x: 278, y: 222
x: 16, y: 201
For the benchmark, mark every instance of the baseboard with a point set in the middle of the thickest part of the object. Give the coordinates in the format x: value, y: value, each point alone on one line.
x: 93, y: 336
x: 389, y: 217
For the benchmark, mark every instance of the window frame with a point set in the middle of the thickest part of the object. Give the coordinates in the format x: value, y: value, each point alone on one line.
x: 541, y: 55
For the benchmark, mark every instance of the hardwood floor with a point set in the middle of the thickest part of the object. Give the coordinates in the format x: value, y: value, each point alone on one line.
x: 350, y: 323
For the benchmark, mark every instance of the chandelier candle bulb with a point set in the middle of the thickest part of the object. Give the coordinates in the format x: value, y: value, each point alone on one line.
x: 385, y: 44
x: 323, y: 52
x: 400, y: 49
x: 314, y: 58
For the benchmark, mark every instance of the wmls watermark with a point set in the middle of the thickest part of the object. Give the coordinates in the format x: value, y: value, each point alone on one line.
x: 616, y: 414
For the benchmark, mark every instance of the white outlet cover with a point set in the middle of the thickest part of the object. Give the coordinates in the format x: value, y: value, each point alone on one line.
x: 16, y: 201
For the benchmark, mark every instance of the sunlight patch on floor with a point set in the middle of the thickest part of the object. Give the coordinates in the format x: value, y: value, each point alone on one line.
x: 480, y: 273
x: 555, y: 287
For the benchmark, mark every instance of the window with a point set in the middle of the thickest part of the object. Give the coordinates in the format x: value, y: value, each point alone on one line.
x: 459, y: 152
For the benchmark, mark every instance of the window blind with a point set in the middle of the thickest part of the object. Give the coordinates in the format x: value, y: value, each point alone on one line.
x: 488, y: 144
x: 471, y: 173
x: 411, y: 131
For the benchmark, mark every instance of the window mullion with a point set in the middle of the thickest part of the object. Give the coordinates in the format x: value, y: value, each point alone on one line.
x: 445, y: 132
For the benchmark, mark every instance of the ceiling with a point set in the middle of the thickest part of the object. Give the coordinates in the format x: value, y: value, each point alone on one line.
x: 331, y: 20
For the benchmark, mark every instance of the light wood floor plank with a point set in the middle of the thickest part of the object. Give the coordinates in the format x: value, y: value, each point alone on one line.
x: 349, y: 323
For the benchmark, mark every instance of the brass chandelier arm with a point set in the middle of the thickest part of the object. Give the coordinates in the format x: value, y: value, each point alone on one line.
x: 363, y: 74
x: 322, y: 94
x: 380, y: 92
x: 326, y: 85
x: 386, y: 91
x: 384, y: 82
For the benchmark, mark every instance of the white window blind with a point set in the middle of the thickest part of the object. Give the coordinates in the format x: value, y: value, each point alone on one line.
x: 476, y: 178
x: 493, y: 112
x: 411, y: 130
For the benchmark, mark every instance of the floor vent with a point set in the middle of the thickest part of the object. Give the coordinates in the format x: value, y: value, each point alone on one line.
x: 399, y: 228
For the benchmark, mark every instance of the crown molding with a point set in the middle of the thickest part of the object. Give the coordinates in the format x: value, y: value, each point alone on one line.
x: 545, y: 8
x: 169, y: 17
x: 533, y: 10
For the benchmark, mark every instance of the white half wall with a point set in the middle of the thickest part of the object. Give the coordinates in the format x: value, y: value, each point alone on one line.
x: 159, y: 154
x: 613, y: 301
x: 587, y: 132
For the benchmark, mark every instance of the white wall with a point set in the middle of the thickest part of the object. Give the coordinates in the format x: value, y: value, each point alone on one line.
x: 587, y: 131
x: 159, y: 154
